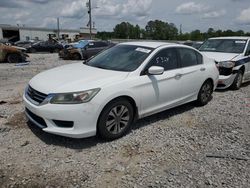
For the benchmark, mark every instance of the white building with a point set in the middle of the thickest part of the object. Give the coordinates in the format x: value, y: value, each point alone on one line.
x: 16, y: 33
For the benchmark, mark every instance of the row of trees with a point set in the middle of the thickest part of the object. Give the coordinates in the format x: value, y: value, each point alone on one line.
x: 159, y: 30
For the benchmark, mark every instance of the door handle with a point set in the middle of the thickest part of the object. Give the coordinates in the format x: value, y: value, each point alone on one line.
x: 203, y: 69
x: 178, y: 76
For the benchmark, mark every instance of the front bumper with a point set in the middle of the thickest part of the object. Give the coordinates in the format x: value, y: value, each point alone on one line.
x: 84, y: 117
x: 226, y: 81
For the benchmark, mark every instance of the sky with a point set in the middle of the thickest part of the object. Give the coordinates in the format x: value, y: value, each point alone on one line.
x: 192, y: 14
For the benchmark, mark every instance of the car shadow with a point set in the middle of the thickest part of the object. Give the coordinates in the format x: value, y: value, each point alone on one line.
x: 246, y: 84
x: 72, y: 143
x: 85, y: 143
x: 164, y: 115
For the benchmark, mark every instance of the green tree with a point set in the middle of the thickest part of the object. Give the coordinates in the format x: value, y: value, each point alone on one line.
x: 159, y: 30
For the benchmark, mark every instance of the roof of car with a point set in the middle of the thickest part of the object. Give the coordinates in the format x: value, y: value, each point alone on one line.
x: 150, y: 44
x: 234, y: 37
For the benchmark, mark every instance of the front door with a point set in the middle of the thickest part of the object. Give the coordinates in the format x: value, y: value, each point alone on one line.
x: 160, y: 92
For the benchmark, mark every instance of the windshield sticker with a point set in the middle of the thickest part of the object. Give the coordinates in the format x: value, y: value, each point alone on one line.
x: 143, y: 50
x: 240, y: 42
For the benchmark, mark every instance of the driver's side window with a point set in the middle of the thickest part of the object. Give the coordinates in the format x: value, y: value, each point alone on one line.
x: 248, y: 49
x: 166, y: 58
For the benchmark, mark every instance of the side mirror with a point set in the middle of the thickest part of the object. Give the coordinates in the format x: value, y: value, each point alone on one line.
x: 248, y: 53
x: 156, y: 70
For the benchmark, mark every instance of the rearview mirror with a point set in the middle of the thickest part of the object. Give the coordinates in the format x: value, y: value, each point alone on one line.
x: 156, y: 70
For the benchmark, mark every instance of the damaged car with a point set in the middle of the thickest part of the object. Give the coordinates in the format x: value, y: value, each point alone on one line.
x: 45, y: 46
x: 87, y: 50
x: 12, y: 54
x: 232, y: 56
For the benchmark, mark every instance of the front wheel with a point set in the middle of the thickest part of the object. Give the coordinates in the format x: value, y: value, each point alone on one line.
x: 76, y: 56
x: 115, y: 120
x: 205, y: 93
x: 13, y: 58
x: 32, y: 50
x: 237, y: 81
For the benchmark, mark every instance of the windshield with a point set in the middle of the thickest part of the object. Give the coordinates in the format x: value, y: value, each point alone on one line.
x: 81, y: 44
x: 121, y: 58
x: 224, y: 45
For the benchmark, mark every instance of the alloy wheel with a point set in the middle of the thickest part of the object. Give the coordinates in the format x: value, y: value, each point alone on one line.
x: 206, y: 92
x: 118, y: 119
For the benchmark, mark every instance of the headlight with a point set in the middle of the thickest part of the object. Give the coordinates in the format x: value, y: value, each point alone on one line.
x: 74, y: 98
x: 226, y: 64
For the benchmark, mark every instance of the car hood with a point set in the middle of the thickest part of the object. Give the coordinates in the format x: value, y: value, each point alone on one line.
x: 74, y: 77
x: 218, y: 56
x: 19, y: 48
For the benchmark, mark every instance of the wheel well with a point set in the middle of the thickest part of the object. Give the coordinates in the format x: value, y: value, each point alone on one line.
x: 242, y: 69
x: 76, y: 53
x: 211, y: 81
x: 7, y: 55
x: 130, y: 100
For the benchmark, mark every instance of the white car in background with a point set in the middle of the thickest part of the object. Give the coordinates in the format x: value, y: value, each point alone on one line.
x: 232, y: 55
x: 120, y: 85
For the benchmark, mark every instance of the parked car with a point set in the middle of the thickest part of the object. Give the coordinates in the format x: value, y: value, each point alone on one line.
x: 12, y: 54
x: 194, y: 44
x: 118, y: 86
x: 197, y: 44
x: 232, y: 56
x: 45, y: 46
x: 25, y: 44
x: 85, y: 51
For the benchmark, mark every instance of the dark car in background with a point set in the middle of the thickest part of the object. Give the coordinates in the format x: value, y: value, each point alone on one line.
x: 45, y: 46
x: 25, y: 44
x: 91, y: 48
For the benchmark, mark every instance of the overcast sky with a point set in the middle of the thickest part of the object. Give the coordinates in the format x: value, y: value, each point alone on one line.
x: 193, y: 14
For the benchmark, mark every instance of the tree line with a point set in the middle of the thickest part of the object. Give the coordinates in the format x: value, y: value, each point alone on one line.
x: 159, y: 30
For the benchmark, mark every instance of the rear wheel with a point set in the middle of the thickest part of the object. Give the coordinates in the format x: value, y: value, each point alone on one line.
x: 56, y: 50
x: 32, y: 50
x: 205, y: 93
x: 76, y: 56
x: 116, y: 119
x: 14, y: 58
x: 237, y: 81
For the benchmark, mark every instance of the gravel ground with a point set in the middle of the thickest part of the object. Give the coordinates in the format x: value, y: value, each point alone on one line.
x: 184, y: 147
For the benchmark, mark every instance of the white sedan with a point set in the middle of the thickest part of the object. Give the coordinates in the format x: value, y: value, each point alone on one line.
x: 106, y: 94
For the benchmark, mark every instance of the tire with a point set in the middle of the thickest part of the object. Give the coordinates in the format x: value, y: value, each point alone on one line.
x: 205, y: 93
x: 14, y: 58
x: 32, y: 50
x: 76, y: 56
x: 237, y: 81
x: 115, y: 120
x: 56, y: 50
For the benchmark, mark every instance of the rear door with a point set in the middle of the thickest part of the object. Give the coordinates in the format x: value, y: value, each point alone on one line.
x: 193, y: 72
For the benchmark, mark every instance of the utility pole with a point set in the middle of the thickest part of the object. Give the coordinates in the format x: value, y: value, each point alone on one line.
x: 58, y: 28
x: 90, y: 18
x: 181, y: 29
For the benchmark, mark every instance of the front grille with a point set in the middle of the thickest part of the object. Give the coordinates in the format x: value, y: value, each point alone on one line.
x: 36, y: 118
x: 36, y: 95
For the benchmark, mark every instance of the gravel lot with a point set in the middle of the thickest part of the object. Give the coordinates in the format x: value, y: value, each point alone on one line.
x: 184, y: 147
